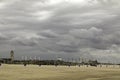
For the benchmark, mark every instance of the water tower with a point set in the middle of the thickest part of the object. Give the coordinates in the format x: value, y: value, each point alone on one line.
x: 12, y: 55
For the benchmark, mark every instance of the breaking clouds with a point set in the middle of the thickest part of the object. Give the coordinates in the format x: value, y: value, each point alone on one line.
x: 65, y: 28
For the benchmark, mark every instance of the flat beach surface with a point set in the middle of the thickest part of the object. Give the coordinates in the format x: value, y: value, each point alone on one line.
x: 34, y: 72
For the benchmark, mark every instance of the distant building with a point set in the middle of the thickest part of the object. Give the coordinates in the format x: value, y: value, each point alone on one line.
x: 12, y: 56
x: 8, y: 60
x: 93, y: 63
x: 59, y: 59
x: 5, y: 60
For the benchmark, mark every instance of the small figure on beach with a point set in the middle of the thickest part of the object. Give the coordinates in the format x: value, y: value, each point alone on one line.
x: 0, y: 64
x: 25, y: 64
x: 39, y: 65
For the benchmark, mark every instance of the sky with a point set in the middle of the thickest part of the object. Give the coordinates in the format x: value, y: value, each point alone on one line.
x: 88, y: 29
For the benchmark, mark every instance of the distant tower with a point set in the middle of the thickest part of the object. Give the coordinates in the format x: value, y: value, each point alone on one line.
x: 12, y: 55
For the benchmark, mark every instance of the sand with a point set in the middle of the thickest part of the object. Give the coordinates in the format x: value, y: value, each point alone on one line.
x: 34, y: 72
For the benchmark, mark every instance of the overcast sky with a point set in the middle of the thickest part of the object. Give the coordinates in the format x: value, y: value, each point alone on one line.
x: 64, y: 28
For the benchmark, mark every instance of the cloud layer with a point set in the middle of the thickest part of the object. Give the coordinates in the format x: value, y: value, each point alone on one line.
x: 66, y: 28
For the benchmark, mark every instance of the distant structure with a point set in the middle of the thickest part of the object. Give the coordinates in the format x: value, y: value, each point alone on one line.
x: 12, y: 56
x: 59, y: 59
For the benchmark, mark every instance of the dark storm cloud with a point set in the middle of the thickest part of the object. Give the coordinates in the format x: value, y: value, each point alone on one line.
x: 61, y: 27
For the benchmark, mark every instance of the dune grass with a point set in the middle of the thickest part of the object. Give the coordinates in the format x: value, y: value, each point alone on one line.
x: 34, y: 72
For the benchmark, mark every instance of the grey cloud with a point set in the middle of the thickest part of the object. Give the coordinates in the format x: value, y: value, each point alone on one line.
x: 26, y: 38
x: 48, y: 34
x: 3, y: 37
x: 64, y: 27
x: 86, y: 33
